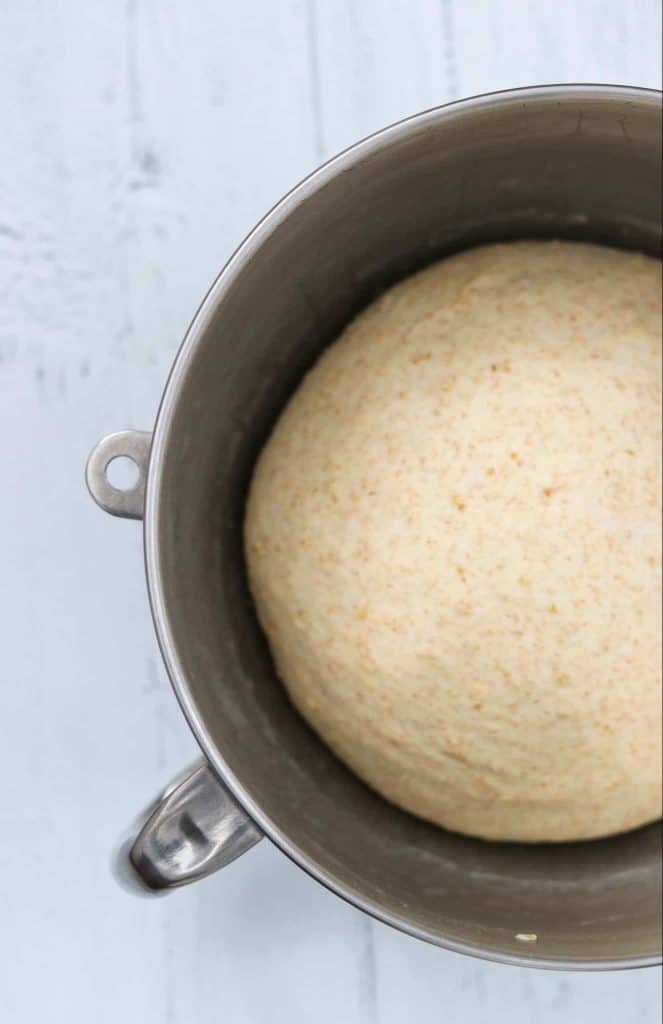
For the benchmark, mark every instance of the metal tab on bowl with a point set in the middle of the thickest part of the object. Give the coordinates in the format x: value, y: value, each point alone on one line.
x: 125, y: 444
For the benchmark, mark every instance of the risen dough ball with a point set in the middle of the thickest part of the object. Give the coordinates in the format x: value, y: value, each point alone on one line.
x: 453, y: 540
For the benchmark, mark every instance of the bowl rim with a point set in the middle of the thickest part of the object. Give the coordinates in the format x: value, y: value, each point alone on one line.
x: 233, y: 267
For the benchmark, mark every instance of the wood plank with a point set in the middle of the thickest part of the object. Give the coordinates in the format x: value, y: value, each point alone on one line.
x: 500, y: 46
x: 378, y: 62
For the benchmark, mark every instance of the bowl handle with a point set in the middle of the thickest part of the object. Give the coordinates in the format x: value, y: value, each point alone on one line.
x: 195, y: 828
x: 126, y: 444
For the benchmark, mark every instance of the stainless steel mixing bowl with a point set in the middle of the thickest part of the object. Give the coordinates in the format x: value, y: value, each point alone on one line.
x: 570, y: 161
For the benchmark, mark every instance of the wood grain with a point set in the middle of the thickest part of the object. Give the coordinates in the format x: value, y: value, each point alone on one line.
x: 139, y: 143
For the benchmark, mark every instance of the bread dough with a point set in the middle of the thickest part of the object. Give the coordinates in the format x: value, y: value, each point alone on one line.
x: 453, y: 542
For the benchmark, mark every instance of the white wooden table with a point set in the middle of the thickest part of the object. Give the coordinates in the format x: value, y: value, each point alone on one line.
x: 138, y: 143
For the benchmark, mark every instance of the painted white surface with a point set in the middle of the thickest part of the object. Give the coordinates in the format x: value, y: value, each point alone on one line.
x: 138, y: 143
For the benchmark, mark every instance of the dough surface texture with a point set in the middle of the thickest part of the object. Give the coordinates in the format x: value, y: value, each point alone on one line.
x: 453, y: 539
